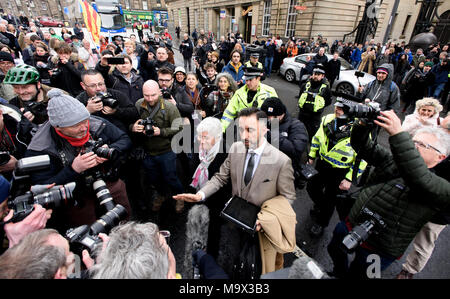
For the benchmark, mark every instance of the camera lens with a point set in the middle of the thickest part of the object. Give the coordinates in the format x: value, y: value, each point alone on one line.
x: 56, y: 197
x: 109, y: 220
x: 105, y: 152
x: 103, y: 195
x: 149, y: 131
x: 110, y: 102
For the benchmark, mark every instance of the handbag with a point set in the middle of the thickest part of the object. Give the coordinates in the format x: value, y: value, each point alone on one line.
x: 242, y: 213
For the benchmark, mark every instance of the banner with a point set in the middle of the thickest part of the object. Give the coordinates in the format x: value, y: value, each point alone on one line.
x: 92, y: 21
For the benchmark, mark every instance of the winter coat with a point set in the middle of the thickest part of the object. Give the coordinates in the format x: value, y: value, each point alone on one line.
x: 186, y: 50
x: 116, y: 81
x: 356, y: 55
x: 416, y: 84
x: 367, y: 63
x: 69, y: 77
x: 412, y: 122
x: 277, y: 236
x: 441, y: 73
x: 401, y: 189
x: 386, y: 93
x: 237, y: 76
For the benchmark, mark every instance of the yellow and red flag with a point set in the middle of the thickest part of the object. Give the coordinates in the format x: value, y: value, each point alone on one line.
x: 92, y: 21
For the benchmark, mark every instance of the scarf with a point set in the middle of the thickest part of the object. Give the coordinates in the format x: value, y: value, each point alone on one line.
x: 193, y: 96
x: 77, y: 142
x: 201, y: 174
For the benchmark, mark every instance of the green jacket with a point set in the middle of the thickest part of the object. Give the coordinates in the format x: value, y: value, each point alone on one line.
x: 169, y: 121
x: 401, y: 189
x: 239, y: 102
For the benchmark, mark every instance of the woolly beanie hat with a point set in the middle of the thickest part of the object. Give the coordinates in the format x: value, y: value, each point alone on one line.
x: 63, y: 110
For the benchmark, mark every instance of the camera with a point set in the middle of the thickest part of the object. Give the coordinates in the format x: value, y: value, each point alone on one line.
x: 107, y: 99
x: 359, y: 234
x: 39, y: 194
x: 166, y: 93
x: 103, y: 195
x: 148, y: 124
x: 369, y: 111
x: 86, y: 237
x: 36, y: 108
x: 102, y: 152
x: 55, y: 72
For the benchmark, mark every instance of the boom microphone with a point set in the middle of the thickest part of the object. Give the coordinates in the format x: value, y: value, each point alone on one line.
x: 196, y: 235
x: 306, y: 268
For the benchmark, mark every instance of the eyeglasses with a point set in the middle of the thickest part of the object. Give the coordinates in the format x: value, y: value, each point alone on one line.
x: 164, y: 80
x: 426, y: 145
x: 99, y: 85
x: 166, y: 235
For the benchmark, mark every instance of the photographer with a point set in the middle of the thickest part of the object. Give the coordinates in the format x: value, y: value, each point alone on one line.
x: 382, y: 90
x: 335, y: 164
x: 43, y: 254
x: 124, y: 78
x: 67, y: 138
x: 110, y: 104
x: 401, y: 191
x: 66, y: 73
x: 31, y: 96
x: 174, y: 94
x: 162, y: 122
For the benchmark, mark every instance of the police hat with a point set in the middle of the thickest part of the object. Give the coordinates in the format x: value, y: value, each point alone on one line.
x: 252, y: 72
x: 319, y: 69
x: 254, y: 54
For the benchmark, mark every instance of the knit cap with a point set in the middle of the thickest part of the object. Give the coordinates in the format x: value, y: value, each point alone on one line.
x: 64, y: 110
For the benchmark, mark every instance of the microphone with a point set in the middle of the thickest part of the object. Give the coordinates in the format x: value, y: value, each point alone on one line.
x: 196, y: 236
x: 306, y: 268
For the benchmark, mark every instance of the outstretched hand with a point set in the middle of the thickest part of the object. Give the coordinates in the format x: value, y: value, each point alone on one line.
x: 189, y: 197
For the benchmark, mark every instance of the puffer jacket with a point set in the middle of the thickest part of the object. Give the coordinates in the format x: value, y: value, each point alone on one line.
x: 401, y: 189
x: 386, y: 93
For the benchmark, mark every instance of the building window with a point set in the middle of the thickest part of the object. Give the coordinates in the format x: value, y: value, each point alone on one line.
x: 196, y: 18
x: 127, y: 4
x: 266, y: 17
x: 206, y: 19
x: 144, y: 5
x: 408, y: 18
x: 291, y: 19
x: 44, y: 6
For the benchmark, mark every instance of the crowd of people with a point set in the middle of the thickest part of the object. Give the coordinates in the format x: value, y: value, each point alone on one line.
x: 159, y: 138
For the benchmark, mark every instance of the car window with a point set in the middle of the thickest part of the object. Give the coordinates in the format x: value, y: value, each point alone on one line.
x: 300, y: 59
x: 345, y: 65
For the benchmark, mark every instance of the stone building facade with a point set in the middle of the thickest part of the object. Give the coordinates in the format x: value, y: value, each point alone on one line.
x: 259, y: 19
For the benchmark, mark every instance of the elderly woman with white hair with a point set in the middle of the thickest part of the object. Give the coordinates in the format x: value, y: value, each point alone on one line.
x: 426, y: 115
x: 206, y: 163
x: 217, y: 101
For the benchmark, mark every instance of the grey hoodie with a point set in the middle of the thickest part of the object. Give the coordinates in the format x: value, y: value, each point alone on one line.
x: 386, y: 93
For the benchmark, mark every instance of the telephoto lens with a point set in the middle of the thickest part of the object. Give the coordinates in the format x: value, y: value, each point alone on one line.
x: 56, y: 197
x: 109, y: 220
x: 103, y: 195
x: 106, y: 152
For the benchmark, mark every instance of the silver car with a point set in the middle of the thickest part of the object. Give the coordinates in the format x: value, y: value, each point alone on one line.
x: 347, y: 82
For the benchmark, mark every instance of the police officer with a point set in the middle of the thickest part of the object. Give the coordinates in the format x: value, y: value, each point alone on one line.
x: 315, y: 95
x: 254, y: 62
x: 252, y: 94
x: 335, y: 161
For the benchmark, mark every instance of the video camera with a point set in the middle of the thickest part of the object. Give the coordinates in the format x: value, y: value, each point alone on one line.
x: 359, y: 234
x: 36, y: 108
x: 86, y: 237
x: 353, y: 109
x: 107, y: 99
x: 21, y: 200
x: 148, y: 124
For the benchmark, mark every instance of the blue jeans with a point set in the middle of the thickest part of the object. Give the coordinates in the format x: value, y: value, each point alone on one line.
x: 268, y: 65
x: 436, y: 90
x: 162, y: 171
x: 355, y: 64
x: 358, y: 267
